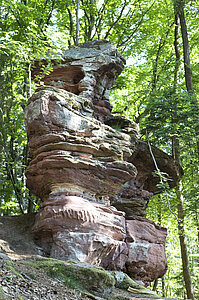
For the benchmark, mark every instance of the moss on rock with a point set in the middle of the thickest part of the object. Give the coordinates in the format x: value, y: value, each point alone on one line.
x: 81, y: 276
x: 124, y: 282
x: 128, y: 282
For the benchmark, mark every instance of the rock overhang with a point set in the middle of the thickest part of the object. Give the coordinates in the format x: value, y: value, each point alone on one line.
x: 143, y: 160
x: 88, y: 70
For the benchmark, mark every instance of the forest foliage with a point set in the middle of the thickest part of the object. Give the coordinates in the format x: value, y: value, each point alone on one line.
x: 158, y: 89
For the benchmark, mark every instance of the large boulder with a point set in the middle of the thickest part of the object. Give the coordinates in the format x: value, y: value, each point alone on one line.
x: 146, y: 260
x: 70, y: 227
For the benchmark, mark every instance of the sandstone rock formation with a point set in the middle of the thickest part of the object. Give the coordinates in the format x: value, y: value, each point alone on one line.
x: 88, y: 71
x: 146, y: 258
x: 95, y: 178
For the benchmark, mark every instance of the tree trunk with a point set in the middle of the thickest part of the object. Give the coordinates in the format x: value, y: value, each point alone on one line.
x: 31, y: 207
x: 187, y: 63
x: 163, y: 287
x: 177, y: 53
x: 183, y: 246
x: 179, y: 12
x: 77, y: 24
x: 92, y: 19
x: 181, y: 230
x: 179, y: 195
x: 155, y: 284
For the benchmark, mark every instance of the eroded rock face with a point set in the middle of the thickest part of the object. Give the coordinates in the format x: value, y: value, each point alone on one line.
x: 74, y: 228
x: 95, y: 180
x: 146, y: 260
x: 88, y: 71
x: 73, y: 152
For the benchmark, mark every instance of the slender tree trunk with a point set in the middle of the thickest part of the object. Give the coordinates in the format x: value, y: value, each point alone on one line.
x: 183, y: 246
x: 196, y: 219
x: 71, y: 28
x: 30, y: 208
x: 177, y: 53
x: 176, y: 156
x: 168, y: 284
x: 179, y: 12
x: 30, y: 83
x: 159, y: 215
x: 187, y: 62
x: 77, y: 24
x: 92, y: 19
x: 163, y: 287
x: 181, y: 230
x: 155, y: 284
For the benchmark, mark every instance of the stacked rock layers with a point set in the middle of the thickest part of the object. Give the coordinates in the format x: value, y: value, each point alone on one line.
x: 88, y: 70
x: 95, y: 181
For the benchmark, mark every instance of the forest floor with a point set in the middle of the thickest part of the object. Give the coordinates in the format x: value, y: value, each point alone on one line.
x: 29, y: 283
x: 22, y: 281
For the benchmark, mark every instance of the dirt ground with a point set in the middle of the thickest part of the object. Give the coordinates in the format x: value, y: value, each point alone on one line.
x: 16, y: 238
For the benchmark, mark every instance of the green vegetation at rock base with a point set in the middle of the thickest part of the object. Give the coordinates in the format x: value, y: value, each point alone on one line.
x: 83, y: 277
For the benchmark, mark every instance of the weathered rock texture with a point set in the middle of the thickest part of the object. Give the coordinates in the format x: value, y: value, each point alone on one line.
x: 88, y: 71
x: 146, y: 258
x: 95, y: 181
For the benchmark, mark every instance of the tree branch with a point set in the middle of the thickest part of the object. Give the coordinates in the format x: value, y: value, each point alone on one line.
x: 99, y: 19
x: 160, y: 176
x: 139, y: 23
x: 116, y: 21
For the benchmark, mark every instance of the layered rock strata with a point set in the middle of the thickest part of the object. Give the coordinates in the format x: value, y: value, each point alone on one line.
x: 79, y: 167
x: 95, y: 180
x: 88, y: 70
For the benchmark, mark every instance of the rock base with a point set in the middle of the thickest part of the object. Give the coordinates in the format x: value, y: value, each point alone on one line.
x: 70, y: 227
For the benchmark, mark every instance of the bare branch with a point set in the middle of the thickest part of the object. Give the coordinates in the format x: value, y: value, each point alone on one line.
x: 160, y: 175
x: 116, y: 21
x: 50, y: 14
x: 138, y: 25
x: 99, y: 20
x: 155, y: 68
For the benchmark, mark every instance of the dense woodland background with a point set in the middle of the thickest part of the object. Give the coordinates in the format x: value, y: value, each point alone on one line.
x: 158, y: 89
